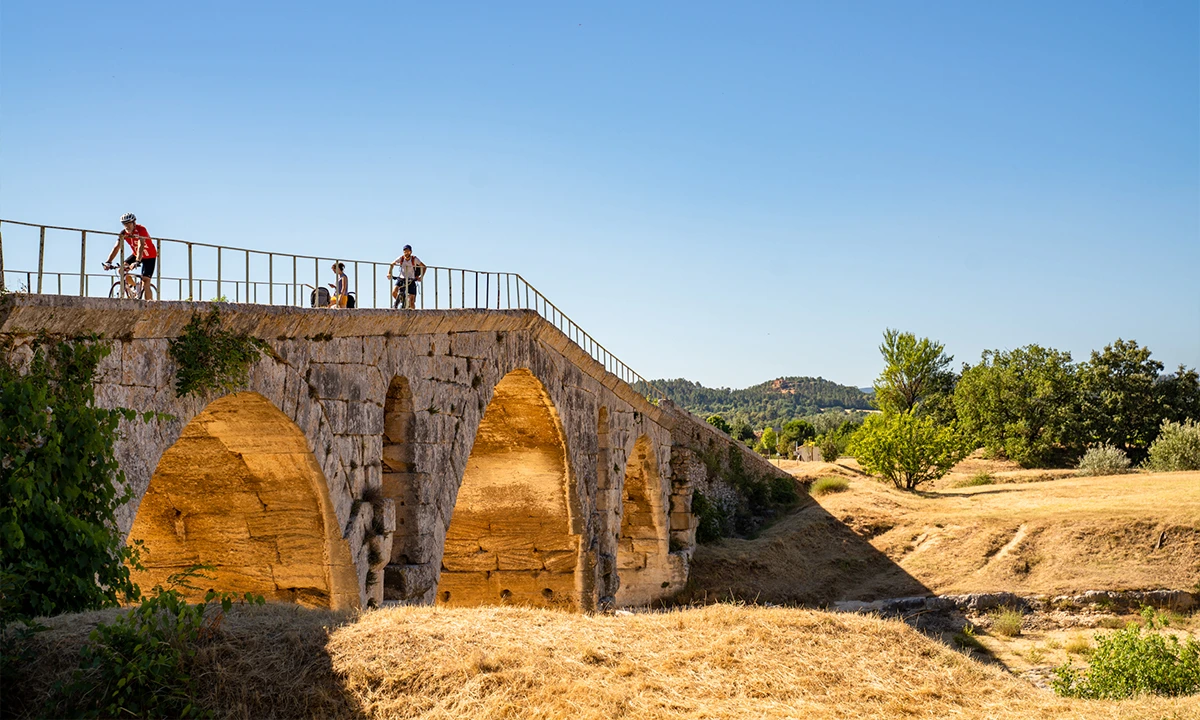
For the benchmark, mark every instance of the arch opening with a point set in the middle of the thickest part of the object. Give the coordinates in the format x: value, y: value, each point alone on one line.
x: 241, y: 491
x: 643, y: 545
x: 510, y: 538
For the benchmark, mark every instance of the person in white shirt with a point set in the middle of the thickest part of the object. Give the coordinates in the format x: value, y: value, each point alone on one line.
x: 411, y: 270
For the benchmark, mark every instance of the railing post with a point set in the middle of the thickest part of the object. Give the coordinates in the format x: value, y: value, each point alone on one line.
x: 1, y: 259
x: 271, y: 278
x: 191, y: 290
x: 374, y: 285
x: 295, y: 282
x: 218, y: 272
x: 158, y: 270
x: 247, y: 276
x: 82, y: 263
x: 41, y: 257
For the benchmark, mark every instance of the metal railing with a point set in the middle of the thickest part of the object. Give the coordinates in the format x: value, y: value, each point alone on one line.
x: 244, y: 275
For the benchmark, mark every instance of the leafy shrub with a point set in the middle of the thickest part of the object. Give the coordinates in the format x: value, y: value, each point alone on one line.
x: 1007, y: 622
x: 906, y: 448
x: 1177, y: 447
x: 830, y: 449
x: 210, y: 358
x: 712, y: 522
x: 828, y: 485
x: 1135, y: 661
x: 139, y: 664
x: 719, y: 423
x: 1103, y: 460
x: 784, y: 492
x: 60, y: 550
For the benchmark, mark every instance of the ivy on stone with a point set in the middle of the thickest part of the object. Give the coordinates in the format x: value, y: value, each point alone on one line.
x: 209, y: 357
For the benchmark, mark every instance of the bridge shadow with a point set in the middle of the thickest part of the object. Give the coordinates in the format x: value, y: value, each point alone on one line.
x: 809, y: 558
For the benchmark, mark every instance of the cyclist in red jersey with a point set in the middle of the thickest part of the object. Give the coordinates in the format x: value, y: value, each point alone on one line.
x: 143, y: 249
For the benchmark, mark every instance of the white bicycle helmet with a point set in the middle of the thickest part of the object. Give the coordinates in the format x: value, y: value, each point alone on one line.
x: 128, y: 217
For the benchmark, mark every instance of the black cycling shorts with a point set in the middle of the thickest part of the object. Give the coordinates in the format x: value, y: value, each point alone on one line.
x: 147, y: 264
x: 411, y: 285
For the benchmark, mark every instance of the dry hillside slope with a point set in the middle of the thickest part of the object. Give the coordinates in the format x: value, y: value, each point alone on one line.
x: 1071, y: 534
x: 715, y: 662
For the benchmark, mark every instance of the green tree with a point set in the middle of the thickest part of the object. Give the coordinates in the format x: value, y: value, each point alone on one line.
x: 916, y: 377
x: 907, y: 449
x: 767, y: 442
x: 719, y: 423
x: 1121, y: 397
x: 796, y: 431
x: 742, y: 431
x: 1179, y: 395
x: 59, y: 546
x: 1022, y: 404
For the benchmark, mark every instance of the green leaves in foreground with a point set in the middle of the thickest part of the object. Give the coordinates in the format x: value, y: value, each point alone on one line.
x: 60, y: 486
x: 211, y: 358
x: 1135, y: 661
x: 140, y: 664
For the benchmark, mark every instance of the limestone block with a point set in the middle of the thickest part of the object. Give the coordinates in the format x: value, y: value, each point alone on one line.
x: 331, y: 381
x: 478, y: 561
x: 408, y: 582
x: 518, y: 560
x: 306, y: 521
x: 398, y: 456
x: 560, y: 561
x: 298, y: 576
x: 554, y: 539
x: 373, y: 351
x: 461, y: 546
x: 143, y: 363
x: 467, y: 588
x: 538, y: 588
x: 450, y: 369
x: 504, y: 543
x: 297, y: 549
x: 650, y: 546
x: 631, y: 561
x: 683, y: 521
x: 681, y: 503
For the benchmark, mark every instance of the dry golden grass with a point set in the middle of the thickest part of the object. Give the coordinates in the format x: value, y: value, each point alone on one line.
x: 1068, y: 535
x: 717, y: 662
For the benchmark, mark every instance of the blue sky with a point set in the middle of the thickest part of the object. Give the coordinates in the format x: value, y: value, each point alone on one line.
x: 727, y: 192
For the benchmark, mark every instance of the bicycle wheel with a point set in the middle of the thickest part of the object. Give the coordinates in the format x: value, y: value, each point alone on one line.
x: 115, y: 290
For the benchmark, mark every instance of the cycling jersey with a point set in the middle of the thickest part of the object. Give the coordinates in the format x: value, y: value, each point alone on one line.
x: 131, y: 238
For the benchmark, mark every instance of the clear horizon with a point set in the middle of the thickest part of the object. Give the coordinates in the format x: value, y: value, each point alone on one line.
x: 724, y: 194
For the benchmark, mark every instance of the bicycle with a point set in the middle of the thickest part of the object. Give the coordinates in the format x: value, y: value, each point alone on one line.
x: 126, y: 284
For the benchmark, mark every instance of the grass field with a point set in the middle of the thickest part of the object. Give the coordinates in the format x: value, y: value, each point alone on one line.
x: 1032, y: 532
x: 715, y: 662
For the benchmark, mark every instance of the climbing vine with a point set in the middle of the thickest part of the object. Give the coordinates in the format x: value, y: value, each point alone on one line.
x: 209, y: 357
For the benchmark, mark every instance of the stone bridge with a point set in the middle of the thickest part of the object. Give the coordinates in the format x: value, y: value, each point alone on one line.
x: 461, y: 457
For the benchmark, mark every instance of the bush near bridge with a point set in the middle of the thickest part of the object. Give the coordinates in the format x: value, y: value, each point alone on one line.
x: 60, y: 550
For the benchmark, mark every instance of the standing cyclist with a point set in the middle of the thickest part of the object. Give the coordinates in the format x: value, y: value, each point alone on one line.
x: 411, y: 269
x: 142, y: 246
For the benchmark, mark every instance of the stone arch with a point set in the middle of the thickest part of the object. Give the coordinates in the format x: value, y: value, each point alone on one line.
x: 643, y: 544
x: 512, y: 537
x: 240, y: 490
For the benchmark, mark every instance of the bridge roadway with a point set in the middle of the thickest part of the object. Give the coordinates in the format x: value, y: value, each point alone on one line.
x: 461, y: 457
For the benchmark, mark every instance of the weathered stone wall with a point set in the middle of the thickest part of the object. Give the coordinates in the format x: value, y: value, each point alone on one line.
x: 390, y: 405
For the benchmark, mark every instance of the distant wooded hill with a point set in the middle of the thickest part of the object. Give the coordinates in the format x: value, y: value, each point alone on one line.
x: 771, y: 403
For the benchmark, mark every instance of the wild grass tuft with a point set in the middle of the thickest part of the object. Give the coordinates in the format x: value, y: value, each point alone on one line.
x: 827, y: 485
x: 1006, y: 622
x: 980, y: 478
